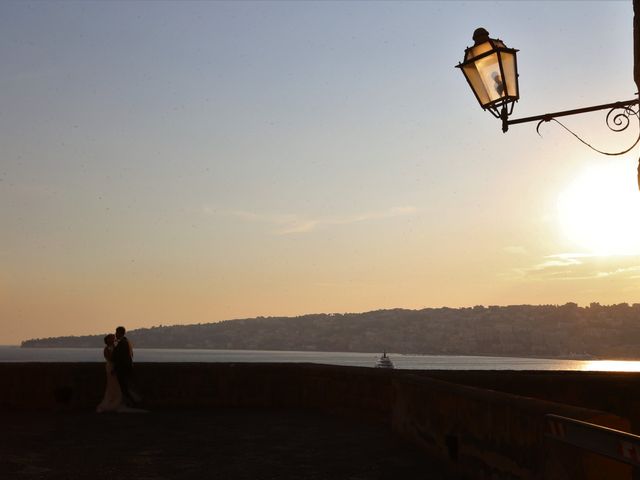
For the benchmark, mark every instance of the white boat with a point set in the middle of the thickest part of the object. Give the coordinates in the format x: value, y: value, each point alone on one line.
x: 384, y: 362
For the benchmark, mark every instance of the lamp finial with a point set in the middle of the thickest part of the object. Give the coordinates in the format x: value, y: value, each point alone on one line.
x: 480, y: 36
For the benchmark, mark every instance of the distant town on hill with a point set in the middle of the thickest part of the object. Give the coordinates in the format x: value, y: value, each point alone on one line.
x: 568, y: 331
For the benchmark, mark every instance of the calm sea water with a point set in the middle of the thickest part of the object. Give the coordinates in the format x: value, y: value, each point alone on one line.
x: 419, y: 362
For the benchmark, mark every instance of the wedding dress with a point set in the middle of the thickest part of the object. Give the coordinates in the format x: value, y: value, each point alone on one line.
x: 113, y: 400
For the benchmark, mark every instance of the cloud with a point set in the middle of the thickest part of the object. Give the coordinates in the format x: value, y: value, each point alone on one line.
x: 583, y: 266
x: 287, y: 224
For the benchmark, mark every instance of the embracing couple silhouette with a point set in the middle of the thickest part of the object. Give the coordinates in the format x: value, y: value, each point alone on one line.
x: 118, y: 396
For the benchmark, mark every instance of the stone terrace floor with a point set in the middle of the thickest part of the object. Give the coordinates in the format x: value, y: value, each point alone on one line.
x: 199, y: 444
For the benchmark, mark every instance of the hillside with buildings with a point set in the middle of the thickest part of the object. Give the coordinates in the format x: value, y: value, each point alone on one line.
x: 520, y: 330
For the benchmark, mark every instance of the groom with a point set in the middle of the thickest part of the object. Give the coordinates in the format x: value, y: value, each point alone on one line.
x: 122, y: 358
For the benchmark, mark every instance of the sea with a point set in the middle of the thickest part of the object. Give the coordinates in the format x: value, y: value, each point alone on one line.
x: 13, y: 354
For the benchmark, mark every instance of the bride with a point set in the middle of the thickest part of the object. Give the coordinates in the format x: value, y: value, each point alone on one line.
x: 112, y: 401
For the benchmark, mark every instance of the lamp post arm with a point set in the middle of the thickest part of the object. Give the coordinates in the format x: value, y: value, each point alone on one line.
x: 549, y: 116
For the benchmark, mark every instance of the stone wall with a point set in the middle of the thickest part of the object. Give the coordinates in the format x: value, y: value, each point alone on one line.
x: 478, y: 433
x: 614, y: 392
x: 489, y: 434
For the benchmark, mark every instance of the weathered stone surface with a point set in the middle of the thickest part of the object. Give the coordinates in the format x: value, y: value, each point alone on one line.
x: 476, y: 432
x: 234, y: 444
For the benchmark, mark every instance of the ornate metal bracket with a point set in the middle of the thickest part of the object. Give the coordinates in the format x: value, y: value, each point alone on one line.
x: 617, y: 120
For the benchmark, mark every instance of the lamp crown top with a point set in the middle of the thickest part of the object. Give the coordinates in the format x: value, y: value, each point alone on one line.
x: 480, y: 36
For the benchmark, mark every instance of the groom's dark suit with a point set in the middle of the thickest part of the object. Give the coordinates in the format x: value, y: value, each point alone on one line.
x: 123, y: 365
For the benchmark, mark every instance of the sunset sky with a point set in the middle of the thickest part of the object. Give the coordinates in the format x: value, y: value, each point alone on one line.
x: 165, y: 163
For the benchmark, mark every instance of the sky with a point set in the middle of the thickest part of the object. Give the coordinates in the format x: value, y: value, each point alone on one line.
x: 188, y: 162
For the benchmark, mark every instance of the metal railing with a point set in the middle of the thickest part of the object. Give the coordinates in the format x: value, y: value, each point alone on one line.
x: 616, y: 444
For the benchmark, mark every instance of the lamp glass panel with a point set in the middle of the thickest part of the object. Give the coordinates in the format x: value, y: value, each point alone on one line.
x: 471, y: 72
x: 489, y: 73
x: 509, y: 68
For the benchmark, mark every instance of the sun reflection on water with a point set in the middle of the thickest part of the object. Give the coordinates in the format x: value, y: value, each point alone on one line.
x: 611, y: 366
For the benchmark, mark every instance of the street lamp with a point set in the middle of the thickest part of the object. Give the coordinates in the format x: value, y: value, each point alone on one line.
x: 491, y: 70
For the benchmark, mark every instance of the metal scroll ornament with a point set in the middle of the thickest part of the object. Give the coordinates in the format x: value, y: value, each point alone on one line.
x: 618, y: 120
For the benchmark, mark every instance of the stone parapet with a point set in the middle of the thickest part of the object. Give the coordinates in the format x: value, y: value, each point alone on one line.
x: 477, y: 432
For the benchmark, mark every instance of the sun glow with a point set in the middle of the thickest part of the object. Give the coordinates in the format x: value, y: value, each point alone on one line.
x: 600, y: 210
x: 611, y: 366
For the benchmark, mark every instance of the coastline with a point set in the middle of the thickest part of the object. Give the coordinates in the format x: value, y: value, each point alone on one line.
x: 569, y: 356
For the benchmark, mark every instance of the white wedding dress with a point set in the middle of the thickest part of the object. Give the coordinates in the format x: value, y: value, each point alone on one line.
x: 112, y: 400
